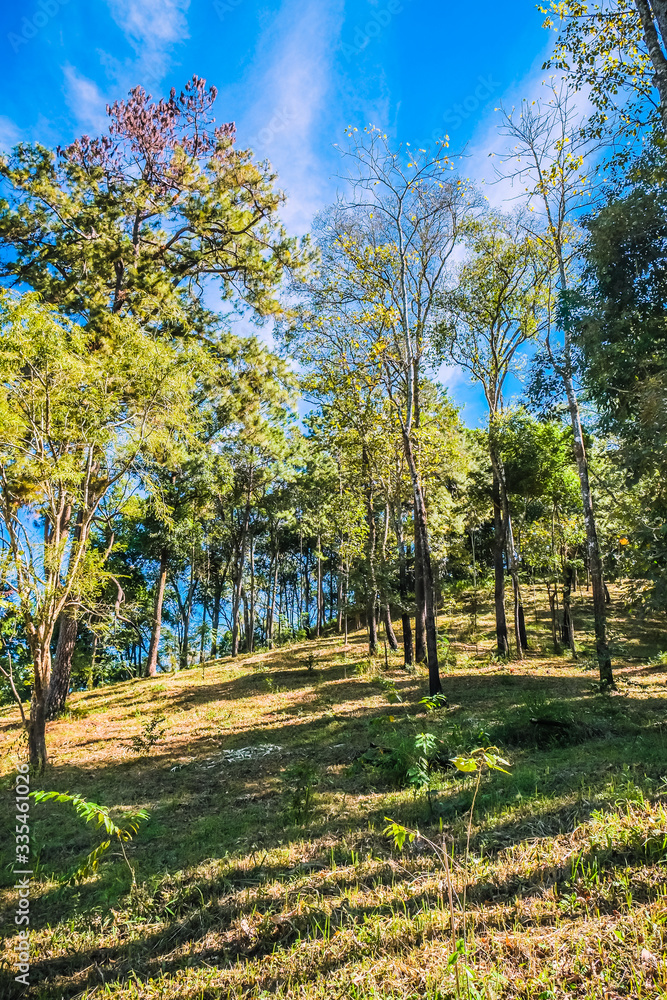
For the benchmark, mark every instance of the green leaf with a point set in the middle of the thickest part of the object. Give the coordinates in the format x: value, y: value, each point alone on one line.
x: 466, y: 764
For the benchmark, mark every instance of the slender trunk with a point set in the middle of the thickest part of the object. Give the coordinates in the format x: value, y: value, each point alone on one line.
x: 203, y: 632
x: 339, y: 598
x: 238, y: 580
x: 474, y: 583
x: 568, y: 624
x: 91, y: 675
x: 185, y: 643
x: 251, y: 634
x: 505, y: 537
x: 593, y: 545
x: 272, y: 607
x: 408, y: 653
x: 594, y: 559
x: 306, y: 591
x: 552, y: 609
x: 62, y: 665
x: 388, y: 627
x: 347, y: 589
x: 654, y: 48
x: 502, y: 642
x: 185, y: 609
x: 40, y: 690
x: 519, y: 617
x: 215, y: 614
x: 420, y: 606
x: 246, y: 617
x: 370, y: 551
x: 151, y: 659
x: 320, y: 594
x: 435, y: 686
x: 300, y: 576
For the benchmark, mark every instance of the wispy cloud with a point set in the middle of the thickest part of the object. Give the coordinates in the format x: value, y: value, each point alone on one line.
x: 153, y: 28
x: 85, y: 100
x: 10, y: 133
x: 285, y: 123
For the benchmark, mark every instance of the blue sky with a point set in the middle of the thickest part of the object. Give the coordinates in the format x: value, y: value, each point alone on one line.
x: 291, y: 74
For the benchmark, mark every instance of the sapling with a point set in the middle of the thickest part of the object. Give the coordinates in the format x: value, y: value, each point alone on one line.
x: 476, y: 761
x: 99, y: 816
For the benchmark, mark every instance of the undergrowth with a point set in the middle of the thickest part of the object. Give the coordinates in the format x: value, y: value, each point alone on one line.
x: 263, y: 869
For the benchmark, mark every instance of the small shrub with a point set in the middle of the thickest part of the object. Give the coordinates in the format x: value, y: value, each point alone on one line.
x: 90, y: 812
x: 390, y: 690
x: 273, y: 686
x: 446, y: 655
x: 150, y: 734
x: 300, y: 781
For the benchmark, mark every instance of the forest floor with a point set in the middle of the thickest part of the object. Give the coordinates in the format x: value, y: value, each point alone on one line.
x: 264, y: 869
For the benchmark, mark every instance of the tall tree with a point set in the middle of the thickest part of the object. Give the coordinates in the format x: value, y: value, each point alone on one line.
x: 548, y: 160
x: 615, y: 49
x: 495, y: 309
x: 135, y: 223
x: 73, y: 421
x: 385, y: 249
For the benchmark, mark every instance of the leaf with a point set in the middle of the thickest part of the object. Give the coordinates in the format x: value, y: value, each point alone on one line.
x: 466, y: 764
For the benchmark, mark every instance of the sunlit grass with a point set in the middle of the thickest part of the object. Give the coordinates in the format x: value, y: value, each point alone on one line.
x: 239, y: 894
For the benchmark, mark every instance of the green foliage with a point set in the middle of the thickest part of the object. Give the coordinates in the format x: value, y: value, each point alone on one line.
x: 602, y: 49
x: 152, y: 732
x: 299, y: 781
x: 99, y: 817
x: 434, y: 702
x: 390, y: 690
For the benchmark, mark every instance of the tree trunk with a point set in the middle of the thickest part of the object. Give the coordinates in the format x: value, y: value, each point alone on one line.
x: 370, y: 553
x: 594, y: 559
x: 320, y: 594
x: 499, y: 572
x: 519, y: 618
x: 272, y: 606
x: 568, y: 624
x: 185, y: 644
x: 246, y: 618
x: 552, y: 608
x: 40, y: 690
x: 61, y: 672
x: 435, y: 686
x: 420, y: 606
x: 474, y: 584
x: 306, y: 591
x: 202, y: 640
x: 251, y: 634
x: 654, y: 47
x: 388, y: 627
x: 238, y: 577
x: 215, y: 614
x: 408, y: 653
x: 339, y: 598
x: 151, y: 659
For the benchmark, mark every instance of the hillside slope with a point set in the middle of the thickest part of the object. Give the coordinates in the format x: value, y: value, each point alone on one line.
x: 264, y: 869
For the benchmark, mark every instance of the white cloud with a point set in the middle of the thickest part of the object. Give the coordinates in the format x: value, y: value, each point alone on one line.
x: 284, y: 123
x: 85, y: 100
x: 153, y: 28
x: 482, y: 161
x: 10, y: 133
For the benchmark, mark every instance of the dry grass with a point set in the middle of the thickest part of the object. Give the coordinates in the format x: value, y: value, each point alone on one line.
x: 240, y: 896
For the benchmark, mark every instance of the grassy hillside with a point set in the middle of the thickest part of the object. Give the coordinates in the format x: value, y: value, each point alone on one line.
x: 264, y: 869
